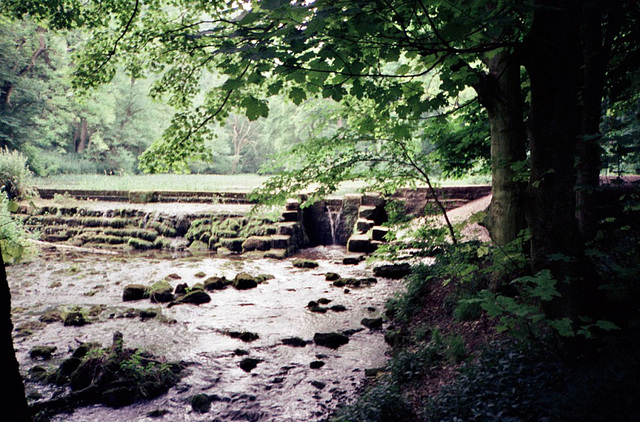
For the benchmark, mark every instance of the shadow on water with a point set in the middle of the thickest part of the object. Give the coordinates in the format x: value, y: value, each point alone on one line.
x: 282, y: 387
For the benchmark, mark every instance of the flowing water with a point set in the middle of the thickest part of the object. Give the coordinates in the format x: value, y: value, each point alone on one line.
x: 279, y: 389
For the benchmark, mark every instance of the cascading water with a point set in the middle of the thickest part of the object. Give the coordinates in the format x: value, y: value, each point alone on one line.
x: 334, y: 213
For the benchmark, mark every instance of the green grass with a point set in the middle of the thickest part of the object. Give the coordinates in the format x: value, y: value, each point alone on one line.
x: 155, y: 182
x: 190, y: 182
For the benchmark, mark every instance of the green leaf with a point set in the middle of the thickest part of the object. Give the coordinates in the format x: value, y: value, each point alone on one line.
x: 255, y: 108
x: 297, y: 95
x: 563, y: 327
x: 606, y: 325
x: 13, y: 206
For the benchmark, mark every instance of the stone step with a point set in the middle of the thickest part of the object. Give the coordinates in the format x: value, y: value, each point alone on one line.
x: 370, y: 212
x: 276, y: 253
x: 353, y: 258
x: 372, y: 199
x: 363, y: 225
x: 359, y: 243
x: 280, y: 241
x: 379, y: 233
x: 290, y: 216
x: 288, y: 228
x: 256, y: 243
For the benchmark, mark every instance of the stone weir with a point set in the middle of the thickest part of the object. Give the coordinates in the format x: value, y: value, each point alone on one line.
x: 146, y: 196
x: 221, y: 228
x: 196, y: 221
x: 225, y: 231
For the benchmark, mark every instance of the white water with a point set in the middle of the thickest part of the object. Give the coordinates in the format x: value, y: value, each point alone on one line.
x: 275, y: 311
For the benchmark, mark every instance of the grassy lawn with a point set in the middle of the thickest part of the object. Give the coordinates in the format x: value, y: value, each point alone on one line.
x: 192, y: 182
x: 171, y: 182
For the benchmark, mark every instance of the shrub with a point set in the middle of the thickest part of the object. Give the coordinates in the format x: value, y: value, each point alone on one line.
x: 13, y: 236
x: 15, y: 177
x: 381, y: 403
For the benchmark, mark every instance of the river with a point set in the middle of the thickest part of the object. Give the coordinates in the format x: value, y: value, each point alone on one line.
x: 282, y: 387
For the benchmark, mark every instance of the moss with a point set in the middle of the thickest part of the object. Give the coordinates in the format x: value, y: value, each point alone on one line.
x: 161, y: 292
x: 304, y: 263
x: 140, y: 244
x: 230, y: 224
x: 116, y: 222
x: 226, y: 234
x: 163, y: 228
x: 91, y: 222
x: 107, y: 239
x: 161, y: 243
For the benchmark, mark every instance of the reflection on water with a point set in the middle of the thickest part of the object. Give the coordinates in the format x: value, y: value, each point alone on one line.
x: 280, y: 387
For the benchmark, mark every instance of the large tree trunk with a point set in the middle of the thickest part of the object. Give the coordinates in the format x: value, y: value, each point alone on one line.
x: 588, y: 165
x: 12, y: 400
x: 553, y: 64
x: 81, y: 135
x: 500, y: 94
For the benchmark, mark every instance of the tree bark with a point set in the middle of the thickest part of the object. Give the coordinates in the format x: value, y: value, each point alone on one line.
x: 500, y: 94
x: 81, y: 135
x: 553, y: 64
x: 588, y: 163
x: 12, y: 399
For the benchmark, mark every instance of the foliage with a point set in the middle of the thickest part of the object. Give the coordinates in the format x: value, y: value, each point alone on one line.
x: 381, y: 403
x: 13, y: 236
x: 621, y: 134
x: 16, y: 179
x: 504, y: 385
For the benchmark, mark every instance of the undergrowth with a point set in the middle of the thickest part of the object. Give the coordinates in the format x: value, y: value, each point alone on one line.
x: 477, y: 314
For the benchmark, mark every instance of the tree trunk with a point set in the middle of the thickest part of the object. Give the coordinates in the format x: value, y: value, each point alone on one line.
x: 81, y: 135
x: 553, y: 64
x: 12, y: 400
x: 500, y: 94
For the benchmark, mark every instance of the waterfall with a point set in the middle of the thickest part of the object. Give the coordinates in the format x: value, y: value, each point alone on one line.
x: 334, y: 213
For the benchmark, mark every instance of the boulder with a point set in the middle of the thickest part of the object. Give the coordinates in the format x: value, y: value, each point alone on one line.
x: 331, y: 276
x: 304, y: 263
x: 353, y: 259
x: 244, y: 281
x: 294, y: 342
x: 181, y: 289
x: 66, y: 368
x: 372, y: 323
x: 318, y: 384
x: 316, y: 364
x: 330, y: 340
x: 195, y: 297
x: 50, y: 316
x: 42, y: 352
x: 394, y: 271
x: 74, y: 319
x: 216, y: 283
x: 248, y: 364
x: 200, y: 403
x: 134, y: 292
x: 161, y: 292
x: 246, y: 336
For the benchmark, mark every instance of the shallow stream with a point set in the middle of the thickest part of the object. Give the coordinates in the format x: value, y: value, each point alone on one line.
x: 279, y: 389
